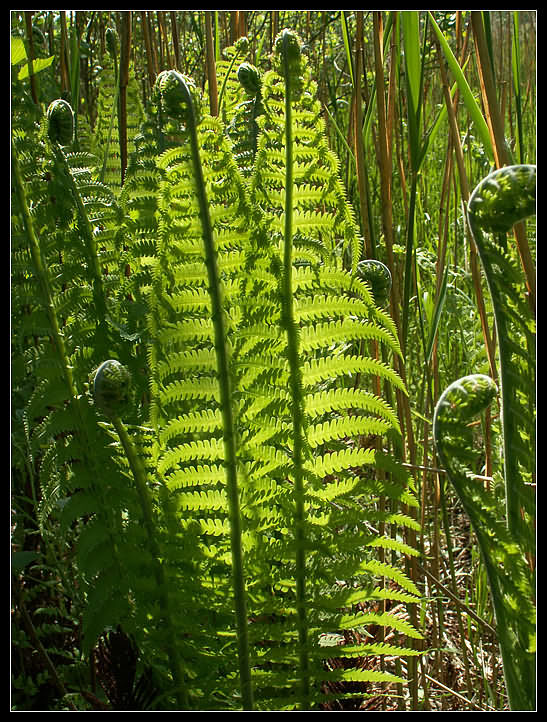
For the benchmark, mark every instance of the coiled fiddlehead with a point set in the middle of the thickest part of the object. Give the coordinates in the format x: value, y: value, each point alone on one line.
x: 60, y: 118
x: 509, y: 577
x: 179, y: 97
x: 111, y: 384
x: 378, y: 276
x: 243, y: 129
x: 249, y: 77
x: 112, y: 387
x: 502, y: 199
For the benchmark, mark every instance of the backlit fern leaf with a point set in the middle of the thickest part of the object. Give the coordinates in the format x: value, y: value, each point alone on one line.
x: 333, y: 314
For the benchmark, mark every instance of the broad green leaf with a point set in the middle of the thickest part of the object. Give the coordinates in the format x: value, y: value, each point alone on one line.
x: 18, y: 52
x: 37, y: 65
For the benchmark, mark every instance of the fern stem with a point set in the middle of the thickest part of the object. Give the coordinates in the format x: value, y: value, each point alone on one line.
x: 41, y: 273
x: 99, y: 296
x: 139, y: 476
x: 228, y: 420
x: 295, y: 382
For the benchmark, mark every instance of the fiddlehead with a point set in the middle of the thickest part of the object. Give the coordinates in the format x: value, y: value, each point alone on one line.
x: 112, y: 388
x: 378, y: 276
x: 502, y: 199
x: 509, y: 577
x: 111, y: 392
x: 60, y: 119
x: 243, y: 129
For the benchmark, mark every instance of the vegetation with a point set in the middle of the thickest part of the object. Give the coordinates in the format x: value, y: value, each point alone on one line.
x: 273, y: 360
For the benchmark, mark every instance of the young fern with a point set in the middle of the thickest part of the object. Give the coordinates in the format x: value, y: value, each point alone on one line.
x: 58, y: 116
x: 505, y: 537
x: 194, y: 243
x: 112, y: 393
x: 502, y: 199
x: 510, y: 580
x: 65, y: 442
x: 243, y: 129
x: 322, y: 311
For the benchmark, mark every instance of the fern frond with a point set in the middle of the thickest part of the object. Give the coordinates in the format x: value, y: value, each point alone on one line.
x: 503, y: 551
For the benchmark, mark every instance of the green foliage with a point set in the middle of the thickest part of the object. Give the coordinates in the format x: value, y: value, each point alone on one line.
x: 234, y: 529
x: 505, y: 536
x: 510, y: 580
x: 252, y: 492
x: 502, y: 199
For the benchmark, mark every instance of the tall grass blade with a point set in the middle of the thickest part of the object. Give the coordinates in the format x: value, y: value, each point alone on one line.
x: 471, y: 104
x: 515, y: 65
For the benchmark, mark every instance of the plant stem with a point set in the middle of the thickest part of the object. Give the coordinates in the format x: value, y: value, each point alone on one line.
x: 295, y: 383
x: 42, y: 274
x: 227, y: 410
x: 139, y: 476
x: 211, y: 65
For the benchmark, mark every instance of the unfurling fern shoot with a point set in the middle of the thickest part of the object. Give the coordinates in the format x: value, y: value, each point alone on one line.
x: 287, y: 48
x: 60, y: 118
x: 60, y: 129
x: 181, y: 100
x: 511, y: 584
x: 325, y: 311
x: 502, y: 199
x: 111, y: 384
x: 378, y: 276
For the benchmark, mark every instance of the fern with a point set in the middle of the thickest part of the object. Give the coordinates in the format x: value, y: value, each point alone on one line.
x: 505, y: 537
x: 502, y: 199
x: 65, y: 442
x: 318, y: 313
x: 242, y: 482
x: 511, y: 583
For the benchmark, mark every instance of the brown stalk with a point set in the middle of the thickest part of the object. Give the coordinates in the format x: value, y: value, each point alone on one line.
x: 358, y: 139
x: 125, y: 47
x: 175, y: 36
x: 211, y: 65
x: 464, y: 189
x: 163, y: 33
x: 150, y: 64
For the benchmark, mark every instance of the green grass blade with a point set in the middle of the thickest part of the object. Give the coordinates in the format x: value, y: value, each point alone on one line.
x: 515, y: 63
x: 347, y: 46
x: 413, y: 68
x: 437, y: 316
x: 471, y: 104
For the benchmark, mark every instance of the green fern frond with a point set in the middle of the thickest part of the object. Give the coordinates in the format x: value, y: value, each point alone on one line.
x: 503, y: 551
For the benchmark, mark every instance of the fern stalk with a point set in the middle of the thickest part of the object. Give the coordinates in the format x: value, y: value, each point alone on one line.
x: 99, y: 296
x: 227, y: 409
x: 510, y: 583
x: 504, y: 198
x: 42, y: 275
x: 295, y: 382
x: 139, y: 476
